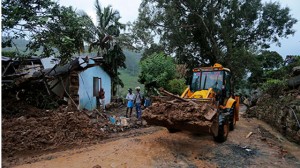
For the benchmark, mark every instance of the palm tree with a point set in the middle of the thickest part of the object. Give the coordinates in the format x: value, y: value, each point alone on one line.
x: 107, y: 29
x: 103, y: 38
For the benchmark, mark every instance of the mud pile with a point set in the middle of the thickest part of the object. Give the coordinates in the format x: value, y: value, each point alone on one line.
x: 48, y: 131
x: 180, y: 115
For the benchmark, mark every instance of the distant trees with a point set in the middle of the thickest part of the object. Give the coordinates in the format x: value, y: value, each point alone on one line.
x: 205, y: 32
x: 270, y: 60
x: 265, y: 63
x: 132, y: 62
x: 23, y: 19
x: 64, y: 31
x: 154, y: 48
x: 48, y: 26
x: 61, y: 31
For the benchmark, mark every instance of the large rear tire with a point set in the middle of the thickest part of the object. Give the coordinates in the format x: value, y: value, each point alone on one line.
x: 222, y: 132
x: 232, y: 124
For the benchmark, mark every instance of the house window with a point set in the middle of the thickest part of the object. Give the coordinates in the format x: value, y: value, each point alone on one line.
x: 97, y: 84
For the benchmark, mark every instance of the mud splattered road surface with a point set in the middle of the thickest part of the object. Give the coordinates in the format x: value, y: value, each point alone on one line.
x: 155, y: 147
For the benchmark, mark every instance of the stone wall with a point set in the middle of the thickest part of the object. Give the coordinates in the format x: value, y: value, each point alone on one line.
x: 279, y: 113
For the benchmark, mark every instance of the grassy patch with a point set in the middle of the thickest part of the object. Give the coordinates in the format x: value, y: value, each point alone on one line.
x: 130, y: 81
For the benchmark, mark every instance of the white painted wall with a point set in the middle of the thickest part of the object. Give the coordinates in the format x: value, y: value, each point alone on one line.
x: 85, y: 92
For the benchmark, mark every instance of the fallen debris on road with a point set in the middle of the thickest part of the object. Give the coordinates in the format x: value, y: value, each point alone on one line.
x: 179, y: 115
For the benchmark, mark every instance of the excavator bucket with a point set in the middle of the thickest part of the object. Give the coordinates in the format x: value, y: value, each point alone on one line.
x: 181, y: 114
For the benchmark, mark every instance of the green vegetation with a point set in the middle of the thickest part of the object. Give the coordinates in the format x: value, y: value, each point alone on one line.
x: 156, y: 71
x: 264, y: 65
x: 159, y: 70
x: 18, y: 44
x: 132, y: 62
x: 129, y: 76
x: 199, y: 33
x: 62, y: 31
x: 193, y: 33
x: 130, y: 81
x: 177, y: 86
x: 271, y: 79
x: 21, y: 17
x: 11, y: 54
x: 274, y: 87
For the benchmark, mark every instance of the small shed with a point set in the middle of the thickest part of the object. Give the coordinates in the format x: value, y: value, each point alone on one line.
x: 79, y: 81
x: 90, y: 81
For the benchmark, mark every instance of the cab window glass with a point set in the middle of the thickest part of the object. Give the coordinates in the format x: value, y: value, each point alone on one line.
x: 212, y: 79
x: 196, y: 81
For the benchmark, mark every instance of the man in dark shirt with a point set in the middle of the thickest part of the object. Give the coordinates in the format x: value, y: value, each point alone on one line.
x: 102, y: 98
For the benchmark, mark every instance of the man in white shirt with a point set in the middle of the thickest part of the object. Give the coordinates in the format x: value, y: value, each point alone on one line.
x: 129, y: 98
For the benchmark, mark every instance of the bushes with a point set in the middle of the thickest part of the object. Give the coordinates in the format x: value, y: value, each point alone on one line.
x: 274, y: 87
x: 157, y: 70
x: 176, y: 86
x: 160, y: 70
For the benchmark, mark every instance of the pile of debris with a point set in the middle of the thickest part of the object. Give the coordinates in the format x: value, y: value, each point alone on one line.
x: 113, y: 123
x: 40, y: 107
x: 29, y: 129
x: 49, y: 131
x: 180, y: 114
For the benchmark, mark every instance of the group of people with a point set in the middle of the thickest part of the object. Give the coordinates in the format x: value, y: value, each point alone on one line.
x: 134, y: 100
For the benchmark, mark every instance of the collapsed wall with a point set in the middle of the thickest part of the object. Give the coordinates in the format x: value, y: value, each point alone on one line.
x: 282, y: 113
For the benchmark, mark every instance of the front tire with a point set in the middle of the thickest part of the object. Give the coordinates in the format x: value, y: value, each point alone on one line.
x: 222, y: 132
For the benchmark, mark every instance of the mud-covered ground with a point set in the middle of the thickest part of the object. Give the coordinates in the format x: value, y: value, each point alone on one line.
x: 155, y: 147
x: 28, y: 131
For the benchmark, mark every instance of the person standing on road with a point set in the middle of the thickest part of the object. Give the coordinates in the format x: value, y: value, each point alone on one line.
x: 138, y: 102
x: 102, y: 98
x: 129, y: 98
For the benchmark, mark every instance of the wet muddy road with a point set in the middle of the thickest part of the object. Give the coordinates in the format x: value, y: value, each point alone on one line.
x: 155, y: 147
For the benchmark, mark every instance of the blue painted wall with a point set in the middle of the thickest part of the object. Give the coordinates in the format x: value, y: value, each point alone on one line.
x: 85, y: 92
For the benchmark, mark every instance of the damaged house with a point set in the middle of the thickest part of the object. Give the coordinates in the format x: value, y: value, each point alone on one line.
x: 16, y: 70
x: 77, y: 82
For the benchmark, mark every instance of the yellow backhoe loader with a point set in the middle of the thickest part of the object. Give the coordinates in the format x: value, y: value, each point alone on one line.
x: 207, y: 105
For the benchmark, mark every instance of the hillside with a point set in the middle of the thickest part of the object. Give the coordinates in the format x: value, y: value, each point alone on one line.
x: 132, y: 62
x: 20, y: 45
x: 129, y: 76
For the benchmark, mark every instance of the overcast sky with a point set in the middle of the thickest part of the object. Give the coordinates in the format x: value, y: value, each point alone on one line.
x: 129, y: 11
